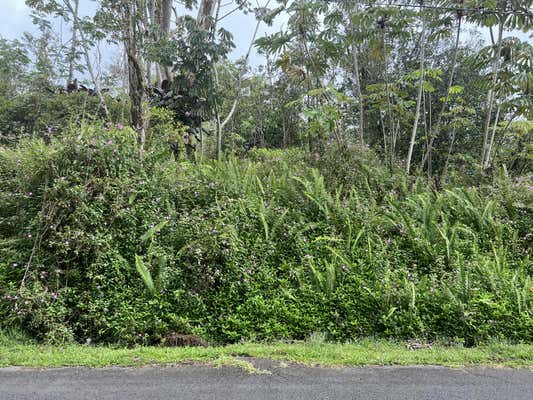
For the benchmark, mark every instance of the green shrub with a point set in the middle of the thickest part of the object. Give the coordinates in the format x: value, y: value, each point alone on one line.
x: 47, y: 114
x: 97, y: 243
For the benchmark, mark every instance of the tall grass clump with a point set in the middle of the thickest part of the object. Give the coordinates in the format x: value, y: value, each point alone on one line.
x: 98, y: 243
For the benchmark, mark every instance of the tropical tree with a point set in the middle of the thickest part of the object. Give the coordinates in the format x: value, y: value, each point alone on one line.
x: 502, y: 14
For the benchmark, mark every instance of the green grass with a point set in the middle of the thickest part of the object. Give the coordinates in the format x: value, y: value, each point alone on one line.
x: 364, y: 353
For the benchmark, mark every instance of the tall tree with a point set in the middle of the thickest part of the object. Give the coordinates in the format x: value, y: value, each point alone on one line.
x: 206, y: 21
x: 505, y: 14
x: 73, y: 42
x: 86, y: 52
x: 420, y: 90
x: 262, y: 14
x: 70, y: 12
x: 124, y: 21
x: 131, y: 12
x: 435, y: 132
x: 163, y: 14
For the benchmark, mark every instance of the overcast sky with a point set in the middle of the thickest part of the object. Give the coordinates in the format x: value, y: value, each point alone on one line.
x: 15, y: 19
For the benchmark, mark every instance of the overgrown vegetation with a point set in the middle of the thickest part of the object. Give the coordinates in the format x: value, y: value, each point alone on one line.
x: 373, y: 178
x: 98, y: 245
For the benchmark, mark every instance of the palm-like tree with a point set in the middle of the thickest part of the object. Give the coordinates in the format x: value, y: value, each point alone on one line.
x: 457, y: 9
x: 505, y: 14
x: 513, y: 88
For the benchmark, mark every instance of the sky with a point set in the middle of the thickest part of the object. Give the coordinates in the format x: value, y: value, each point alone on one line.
x: 15, y: 19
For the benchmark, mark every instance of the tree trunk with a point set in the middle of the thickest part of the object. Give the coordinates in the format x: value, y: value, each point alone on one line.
x: 135, y: 71
x: 241, y: 76
x: 357, y: 78
x: 382, y: 123
x: 205, y: 12
x: 445, y: 103
x: 390, y: 117
x: 162, y: 11
x: 419, y: 98
x: 206, y: 22
x: 149, y: 16
x: 74, y: 42
x: 452, y: 141
x: 284, y: 128
x: 166, y: 12
x: 490, y: 95
x: 136, y: 87
x: 491, y: 143
x: 360, y: 96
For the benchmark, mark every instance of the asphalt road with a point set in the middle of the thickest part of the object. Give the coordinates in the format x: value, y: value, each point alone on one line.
x: 202, y: 382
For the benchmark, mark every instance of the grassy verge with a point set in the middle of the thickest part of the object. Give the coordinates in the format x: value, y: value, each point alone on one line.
x: 363, y: 353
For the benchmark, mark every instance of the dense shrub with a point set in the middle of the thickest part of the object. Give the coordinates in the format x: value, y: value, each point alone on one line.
x: 98, y: 243
x: 48, y: 114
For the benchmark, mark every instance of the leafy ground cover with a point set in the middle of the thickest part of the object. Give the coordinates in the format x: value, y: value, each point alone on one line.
x: 97, y: 244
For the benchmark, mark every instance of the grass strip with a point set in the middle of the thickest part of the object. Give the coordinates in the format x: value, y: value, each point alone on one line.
x: 365, y: 353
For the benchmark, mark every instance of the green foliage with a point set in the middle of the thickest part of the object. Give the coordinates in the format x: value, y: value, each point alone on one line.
x: 47, y: 114
x: 145, y: 273
x: 98, y: 244
x: 13, y: 60
x: 191, y: 52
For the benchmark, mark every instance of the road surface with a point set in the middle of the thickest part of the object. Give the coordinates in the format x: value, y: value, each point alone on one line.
x: 294, y: 382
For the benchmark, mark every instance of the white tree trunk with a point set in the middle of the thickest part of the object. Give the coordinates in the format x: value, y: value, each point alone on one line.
x: 90, y: 68
x: 419, y: 98
x: 435, y: 134
x: 491, y: 143
x: 73, y: 43
x: 490, y: 94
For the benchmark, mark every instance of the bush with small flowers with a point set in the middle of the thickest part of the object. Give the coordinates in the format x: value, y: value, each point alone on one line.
x: 100, y: 245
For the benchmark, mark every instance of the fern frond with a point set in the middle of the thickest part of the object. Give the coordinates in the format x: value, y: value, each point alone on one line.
x: 144, y: 273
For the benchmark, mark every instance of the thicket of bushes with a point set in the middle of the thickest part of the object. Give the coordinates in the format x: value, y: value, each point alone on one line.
x: 95, y: 243
x: 49, y: 114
